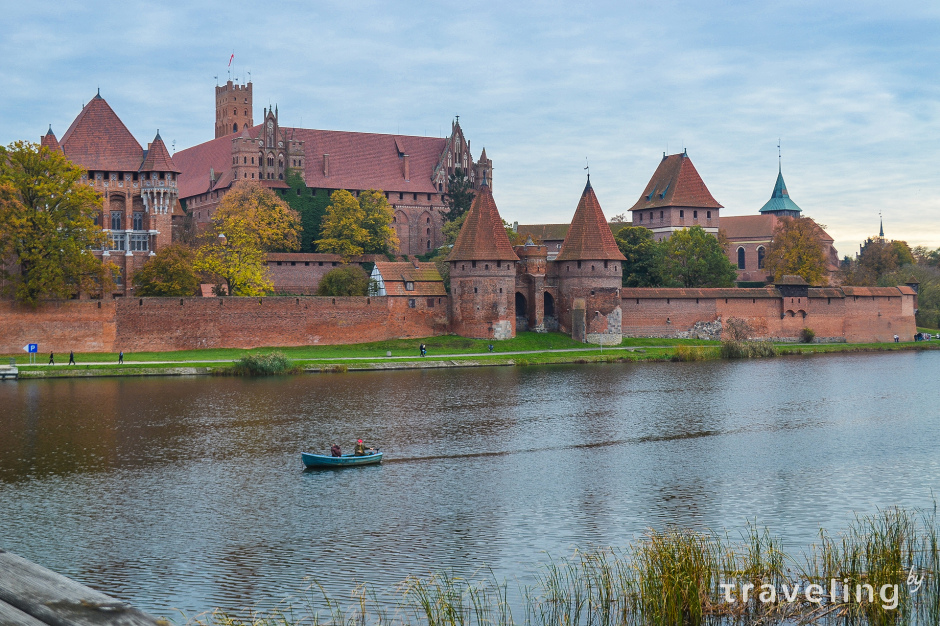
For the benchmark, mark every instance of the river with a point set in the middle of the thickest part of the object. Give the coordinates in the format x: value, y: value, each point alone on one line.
x: 188, y: 493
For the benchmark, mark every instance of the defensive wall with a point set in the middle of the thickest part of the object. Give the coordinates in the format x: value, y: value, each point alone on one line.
x: 163, y: 324
x: 853, y: 314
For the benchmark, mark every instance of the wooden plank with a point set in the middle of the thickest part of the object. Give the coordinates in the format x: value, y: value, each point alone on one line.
x: 11, y: 616
x: 60, y: 601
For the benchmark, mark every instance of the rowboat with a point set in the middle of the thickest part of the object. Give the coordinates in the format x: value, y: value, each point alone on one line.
x: 347, y: 460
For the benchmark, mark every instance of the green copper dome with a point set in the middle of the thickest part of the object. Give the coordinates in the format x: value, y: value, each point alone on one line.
x: 780, y: 202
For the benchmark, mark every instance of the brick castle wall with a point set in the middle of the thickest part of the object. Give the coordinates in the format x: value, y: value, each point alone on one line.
x: 162, y: 324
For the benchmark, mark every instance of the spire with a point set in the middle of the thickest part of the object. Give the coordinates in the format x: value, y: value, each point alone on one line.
x: 589, y: 236
x: 482, y: 236
x: 780, y: 202
x: 881, y: 224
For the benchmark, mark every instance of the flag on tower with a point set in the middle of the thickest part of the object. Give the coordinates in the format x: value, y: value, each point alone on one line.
x: 231, y: 58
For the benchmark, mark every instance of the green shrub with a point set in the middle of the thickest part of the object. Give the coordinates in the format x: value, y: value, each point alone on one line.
x: 271, y: 364
x: 346, y: 280
x: 807, y: 335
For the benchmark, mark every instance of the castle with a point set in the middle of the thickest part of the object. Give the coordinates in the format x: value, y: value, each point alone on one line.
x: 497, y: 289
x: 412, y: 171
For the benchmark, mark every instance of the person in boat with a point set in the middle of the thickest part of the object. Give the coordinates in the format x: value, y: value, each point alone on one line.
x: 360, y: 448
x: 335, y: 451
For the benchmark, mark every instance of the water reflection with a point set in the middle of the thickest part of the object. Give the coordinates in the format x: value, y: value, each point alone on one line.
x: 189, y: 492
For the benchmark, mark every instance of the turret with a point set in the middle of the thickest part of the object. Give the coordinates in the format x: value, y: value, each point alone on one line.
x: 589, y: 268
x: 483, y: 274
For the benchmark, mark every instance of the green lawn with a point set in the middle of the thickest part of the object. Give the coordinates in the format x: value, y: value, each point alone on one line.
x: 446, y: 344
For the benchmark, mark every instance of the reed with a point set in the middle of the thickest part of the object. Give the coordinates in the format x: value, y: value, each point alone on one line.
x: 695, y: 353
x: 747, y: 349
x: 668, y: 578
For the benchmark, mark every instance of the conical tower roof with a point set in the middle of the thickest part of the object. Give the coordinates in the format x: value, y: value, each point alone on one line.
x: 48, y: 140
x: 676, y: 182
x: 482, y: 236
x: 780, y: 198
x: 158, y: 158
x: 589, y: 236
x: 99, y: 140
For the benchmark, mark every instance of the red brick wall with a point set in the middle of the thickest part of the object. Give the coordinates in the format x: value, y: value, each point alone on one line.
x: 483, y: 299
x: 159, y: 324
x: 856, y: 319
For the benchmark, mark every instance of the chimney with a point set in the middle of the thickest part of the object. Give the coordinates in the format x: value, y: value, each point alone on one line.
x: 326, y: 165
x: 407, y: 168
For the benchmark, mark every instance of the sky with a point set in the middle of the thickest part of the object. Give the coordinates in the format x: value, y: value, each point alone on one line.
x: 851, y: 90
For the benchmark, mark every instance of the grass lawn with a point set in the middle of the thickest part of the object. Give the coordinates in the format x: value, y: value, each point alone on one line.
x: 446, y: 344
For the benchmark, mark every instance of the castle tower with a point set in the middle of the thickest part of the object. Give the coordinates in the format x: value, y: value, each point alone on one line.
x: 159, y: 190
x: 483, y: 274
x: 233, y: 110
x: 589, y: 271
x: 530, y: 298
x: 675, y: 198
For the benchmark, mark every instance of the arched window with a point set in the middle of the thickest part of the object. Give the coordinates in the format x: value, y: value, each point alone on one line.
x: 760, y: 258
x: 740, y: 258
x: 234, y: 128
x: 549, y: 305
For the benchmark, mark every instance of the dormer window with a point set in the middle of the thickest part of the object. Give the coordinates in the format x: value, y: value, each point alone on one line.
x: 409, y: 286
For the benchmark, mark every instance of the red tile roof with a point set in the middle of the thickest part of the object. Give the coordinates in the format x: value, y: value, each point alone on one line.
x: 482, y: 236
x: 426, y: 279
x: 195, y: 164
x: 755, y: 227
x: 871, y: 291
x: 48, y: 140
x: 158, y: 158
x: 357, y: 161
x: 98, y: 140
x: 676, y: 183
x: 683, y: 293
x: 589, y: 236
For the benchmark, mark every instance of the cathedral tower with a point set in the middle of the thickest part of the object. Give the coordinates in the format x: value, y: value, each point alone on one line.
x: 233, y: 110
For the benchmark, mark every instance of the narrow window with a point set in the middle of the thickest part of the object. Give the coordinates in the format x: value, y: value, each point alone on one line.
x: 681, y: 214
x: 740, y: 258
x: 760, y: 258
x: 694, y: 215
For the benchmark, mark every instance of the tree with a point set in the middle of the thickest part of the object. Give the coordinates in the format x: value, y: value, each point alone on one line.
x: 693, y: 258
x: 169, y: 273
x: 796, y: 250
x: 377, y: 220
x: 342, y: 232
x: 348, y: 280
x: 47, y: 226
x: 644, y: 264
x: 250, y: 222
x: 877, y: 259
x: 459, y: 195
x: 353, y: 227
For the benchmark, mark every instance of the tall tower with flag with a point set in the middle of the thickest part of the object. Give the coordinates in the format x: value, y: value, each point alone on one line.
x: 233, y: 102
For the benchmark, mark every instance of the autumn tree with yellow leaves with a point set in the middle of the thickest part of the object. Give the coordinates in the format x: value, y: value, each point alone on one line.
x: 354, y: 226
x: 796, y: 250
x: 47, y: 227
x: 250, y: 222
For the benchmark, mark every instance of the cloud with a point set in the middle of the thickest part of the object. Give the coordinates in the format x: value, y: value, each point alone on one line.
x: 851, y: 89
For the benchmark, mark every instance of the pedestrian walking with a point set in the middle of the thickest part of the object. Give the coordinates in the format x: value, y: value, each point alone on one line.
x: 51, y: 358
x: 423, y: 350
x: 71, y: 357
x: 897, y: 339
x: 121, y: 358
